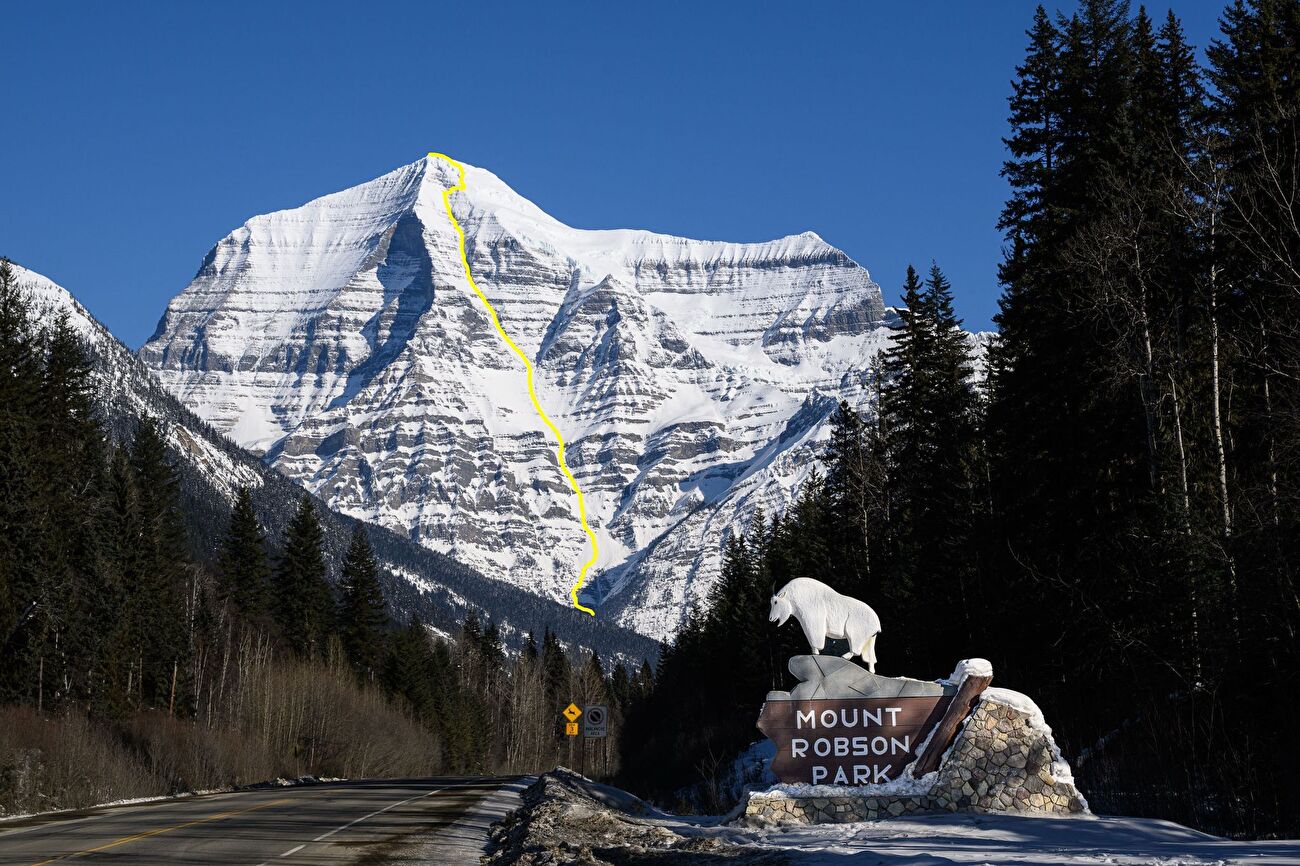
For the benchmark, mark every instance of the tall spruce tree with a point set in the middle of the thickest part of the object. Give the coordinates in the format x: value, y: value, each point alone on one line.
x: 79, y: 594
x: 20, y: 588
x: 409, y: 670
x: 857, y: 491
x: 556, y: 670
x: 1035, y: 142
x: 242, y: 563
x: 112, y: 631
x: 165, y: 578
x: 930, y: 410
x: 303, y: 603
x: 362, y: 616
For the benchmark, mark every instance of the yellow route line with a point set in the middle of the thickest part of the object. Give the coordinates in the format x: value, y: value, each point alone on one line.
x: 148, y: 833
x: 528, y: 365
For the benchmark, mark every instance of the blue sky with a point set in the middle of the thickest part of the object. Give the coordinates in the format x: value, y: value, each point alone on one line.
x: 136, y: 135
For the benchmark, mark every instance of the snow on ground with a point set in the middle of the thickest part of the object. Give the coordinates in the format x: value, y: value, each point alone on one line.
x: 568, y: 819
x: 1019, y: 839
x: 466, y: 840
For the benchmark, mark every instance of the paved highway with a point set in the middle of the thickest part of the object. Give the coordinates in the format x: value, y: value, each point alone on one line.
x: 372, y: 822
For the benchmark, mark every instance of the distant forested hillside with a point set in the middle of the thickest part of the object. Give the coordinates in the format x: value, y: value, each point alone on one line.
x: 162, y: 628
x: 211, y: 468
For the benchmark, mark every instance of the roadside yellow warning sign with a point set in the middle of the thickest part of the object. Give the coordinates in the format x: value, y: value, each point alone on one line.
x: 571, y: 729
x: 571, y: 712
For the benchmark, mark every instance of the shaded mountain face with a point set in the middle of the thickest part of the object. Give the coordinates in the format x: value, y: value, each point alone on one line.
x: 212, y: 468
x: 692, y: 380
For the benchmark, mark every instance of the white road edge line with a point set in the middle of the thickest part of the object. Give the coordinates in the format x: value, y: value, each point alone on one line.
x: 294, y: 850
x: 110, y: 811
x: 322, y: 837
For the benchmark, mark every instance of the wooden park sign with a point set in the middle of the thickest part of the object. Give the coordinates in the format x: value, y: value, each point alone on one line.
x: 843, y: 724
x: 859, y: 741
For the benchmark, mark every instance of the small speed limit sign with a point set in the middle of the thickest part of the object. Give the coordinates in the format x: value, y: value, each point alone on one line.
x: 595, y: 721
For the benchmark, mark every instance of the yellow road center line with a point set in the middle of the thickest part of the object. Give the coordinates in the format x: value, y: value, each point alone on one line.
x: 148, y: 833
x: 528, y: 365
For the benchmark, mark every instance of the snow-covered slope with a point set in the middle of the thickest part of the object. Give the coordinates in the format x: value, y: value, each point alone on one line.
x: 691, y: 379
x: 211, y: 469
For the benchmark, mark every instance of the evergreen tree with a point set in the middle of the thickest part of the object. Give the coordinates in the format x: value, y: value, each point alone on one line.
x: 78, y: 594
x: 594, y: 688
x: 645, y: 680
x: 242, y: 563
x: 620, y: 686
x: 491, y: 648
x: 410, y: 670
x: 110, y: 631
x: 904, y: 386
x: 303, y: 606
x: 555, y: 667
x: 1036, y: 140
x: 857, y: 491
x: 19, y: 396
x: 362, y: 617
x: 471, y: 630
x: 164, y: 581
x: 932, y: 455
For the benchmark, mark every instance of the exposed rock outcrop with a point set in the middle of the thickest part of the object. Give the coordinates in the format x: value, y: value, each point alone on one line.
x: 692, y: 380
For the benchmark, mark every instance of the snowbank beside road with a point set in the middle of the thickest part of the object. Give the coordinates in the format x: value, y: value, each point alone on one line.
x: 1013, y: 839
x: 566, y: 818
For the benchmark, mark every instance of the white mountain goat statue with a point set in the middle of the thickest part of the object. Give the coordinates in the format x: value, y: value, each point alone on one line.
x: 824, y: 613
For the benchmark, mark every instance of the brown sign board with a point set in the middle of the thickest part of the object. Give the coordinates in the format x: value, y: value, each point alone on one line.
x: 861, y: 741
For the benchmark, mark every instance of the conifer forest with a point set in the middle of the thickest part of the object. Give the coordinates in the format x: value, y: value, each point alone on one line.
x: 1108, y: 508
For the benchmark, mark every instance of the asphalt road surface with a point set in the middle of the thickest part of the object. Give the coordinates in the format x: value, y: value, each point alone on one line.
x: 331, y: 823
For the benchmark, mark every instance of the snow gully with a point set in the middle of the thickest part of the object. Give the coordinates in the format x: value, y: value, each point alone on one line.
x: 528, y: 368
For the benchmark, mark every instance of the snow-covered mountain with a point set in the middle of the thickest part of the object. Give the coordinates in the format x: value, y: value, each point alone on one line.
x: 692, y: 380
x: 212, y: 469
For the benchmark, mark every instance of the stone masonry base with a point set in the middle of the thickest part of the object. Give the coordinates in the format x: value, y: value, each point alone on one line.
x: 1000, y: 762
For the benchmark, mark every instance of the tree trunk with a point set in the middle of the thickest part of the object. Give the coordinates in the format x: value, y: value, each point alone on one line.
x: 1182, y: 455
x: 1216, y: 384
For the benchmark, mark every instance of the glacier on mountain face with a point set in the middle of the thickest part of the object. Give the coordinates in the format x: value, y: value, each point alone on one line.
x: 692, y: 380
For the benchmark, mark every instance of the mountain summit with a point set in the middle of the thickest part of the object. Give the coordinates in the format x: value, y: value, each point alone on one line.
x: 691, y: 379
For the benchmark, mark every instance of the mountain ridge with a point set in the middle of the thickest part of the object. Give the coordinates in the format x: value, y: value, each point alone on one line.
x: 690, y: 378
x: 211, y: 467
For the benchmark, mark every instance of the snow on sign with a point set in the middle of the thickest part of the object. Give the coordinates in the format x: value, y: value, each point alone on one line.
x: 866, y: 741
x: 595, y: 722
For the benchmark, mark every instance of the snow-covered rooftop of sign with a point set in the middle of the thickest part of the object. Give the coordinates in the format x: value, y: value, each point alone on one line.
x: 968, y: 668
